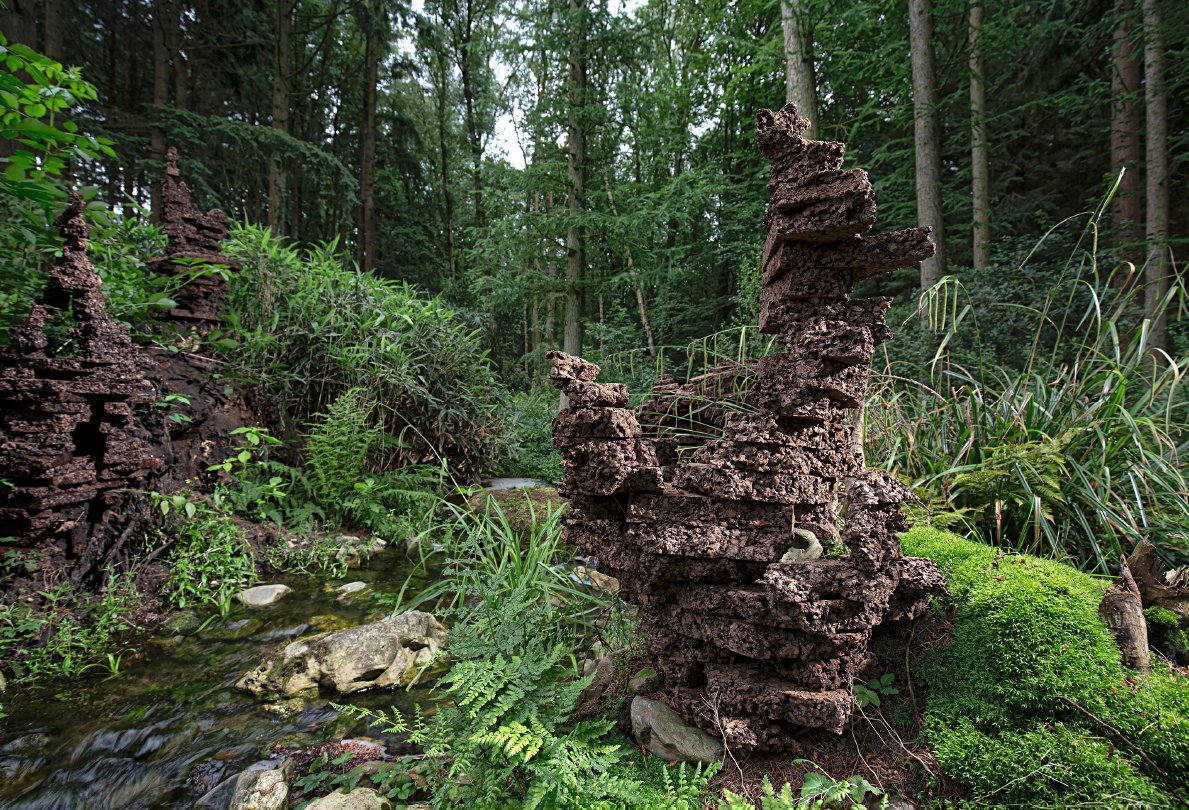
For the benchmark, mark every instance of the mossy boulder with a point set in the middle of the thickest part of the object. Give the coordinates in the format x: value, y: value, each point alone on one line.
x: 1030, y: 705
x: 522, y: 508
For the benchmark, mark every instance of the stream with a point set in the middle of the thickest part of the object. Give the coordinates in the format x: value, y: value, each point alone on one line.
x: 172, y: 724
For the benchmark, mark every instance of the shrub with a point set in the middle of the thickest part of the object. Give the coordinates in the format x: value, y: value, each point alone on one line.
x: 528, y: 435
x: 1030, y: 704
x: 210, y: 559
x: 310, y: 330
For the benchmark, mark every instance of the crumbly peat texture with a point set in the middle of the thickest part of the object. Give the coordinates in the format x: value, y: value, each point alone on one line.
x: 69, y: 440
x: 710, y: 502
x: 194, y: 240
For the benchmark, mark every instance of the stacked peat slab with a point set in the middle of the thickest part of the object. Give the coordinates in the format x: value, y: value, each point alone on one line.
x: 194, y: 240
x: 713, y: 502
x: 69, y: 440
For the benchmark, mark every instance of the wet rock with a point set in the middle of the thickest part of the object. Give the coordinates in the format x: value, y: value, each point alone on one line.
x: 596, y: 579
x: 898, y: 803
x: 662, y: 731
x: 182, y: 623
x: 358, y: 799
x: 258, y: 788
x: 285, y: 708
x: 329, y: 622
x: 602, y: 669
x: 3, y: 683
x: 233, y: 631
x: 646, y: 680
x: 263, y: 595
x: 379, y: 655
x: 348, y: 592
x: 354, y: 550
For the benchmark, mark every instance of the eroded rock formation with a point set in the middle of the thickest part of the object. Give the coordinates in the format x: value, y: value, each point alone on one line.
x: 69, y: 442
x: 194, y: 244
x: 713, y: 501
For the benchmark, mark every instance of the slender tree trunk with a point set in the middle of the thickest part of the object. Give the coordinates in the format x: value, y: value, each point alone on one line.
x: 641, y: 307
x: 442, y: 99
x: 551, y: 283
x: 799, y: 76
x: 1126, y: 136
x: 474, y: 139
x: 365, y: 249
x: 281, y: 72
x: 576, y: 175
x: 1156, y: 101
x: 928, y: 139
x: 980, y: 166
x: 176, y: 36
x: 53, y: 31
x: 160, y: 97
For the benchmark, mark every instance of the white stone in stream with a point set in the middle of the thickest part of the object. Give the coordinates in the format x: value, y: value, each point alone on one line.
x: 349, y: 591
x: 254, y: 789
x: 662, y: 731
x: 263, y: 595
x: 357, y: 799
x: 378, y: 655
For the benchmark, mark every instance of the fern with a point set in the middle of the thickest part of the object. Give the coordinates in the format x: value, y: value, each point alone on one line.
x: 338, y: 445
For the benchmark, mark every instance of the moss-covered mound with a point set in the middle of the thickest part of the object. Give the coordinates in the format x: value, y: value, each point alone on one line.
x: 521, y: 508
x: 1030, y: 706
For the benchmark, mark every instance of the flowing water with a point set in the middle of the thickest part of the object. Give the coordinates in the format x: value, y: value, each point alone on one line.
x: 172, y: 724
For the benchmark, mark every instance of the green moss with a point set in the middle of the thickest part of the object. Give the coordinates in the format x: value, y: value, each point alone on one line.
x: 522, y: 508
x: 1164, y: 625
x: 1029, y: 649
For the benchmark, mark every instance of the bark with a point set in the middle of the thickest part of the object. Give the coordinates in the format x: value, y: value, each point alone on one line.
x: 799, y: 76
x: 18, y: 20
x: 928, y: 139
x: 1123, y: 611
x: 1126, y: 136
x: 1156, y: 273
x: 160, y: 97
x: 175, y: 36
x: 53, y: 31
x: 365, y: 249
x: 979, y: 158
x: 474, y: 138
x: 281, y: 76
x: 442, y: 109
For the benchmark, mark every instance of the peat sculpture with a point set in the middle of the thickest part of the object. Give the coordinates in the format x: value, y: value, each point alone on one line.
x: 70, y: 379
x: 713, y: 501
x: 194, y: 240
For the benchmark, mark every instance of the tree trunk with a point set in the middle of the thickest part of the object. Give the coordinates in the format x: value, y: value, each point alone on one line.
x: 18, y: 20
x: 365, y: 248
x: 572, y: 328
x: 641, y: 307
x: 979, y: 159
x: 1156, y: 101
x: 176, y: 36
x: 1126, y: 136
x: 928, y: 139
x: 474, y: 139
x: 576, y: 175
x: 160, y: 98
x: 799, y: 77
x: 281, y: 71
x: 53, y: 31
x: 442, y: 98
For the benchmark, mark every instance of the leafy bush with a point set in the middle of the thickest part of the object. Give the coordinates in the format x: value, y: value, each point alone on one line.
x: 61, y: 632
x: 310, y: 330
x: 1030, y: 704
x: 528, y: 435
x: 209, y: 560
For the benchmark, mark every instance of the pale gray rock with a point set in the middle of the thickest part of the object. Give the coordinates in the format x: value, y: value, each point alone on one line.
x: 262, y: 595
x: 662, y: 731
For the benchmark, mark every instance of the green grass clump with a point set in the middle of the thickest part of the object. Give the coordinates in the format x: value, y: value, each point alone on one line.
x: 1030, y: 703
